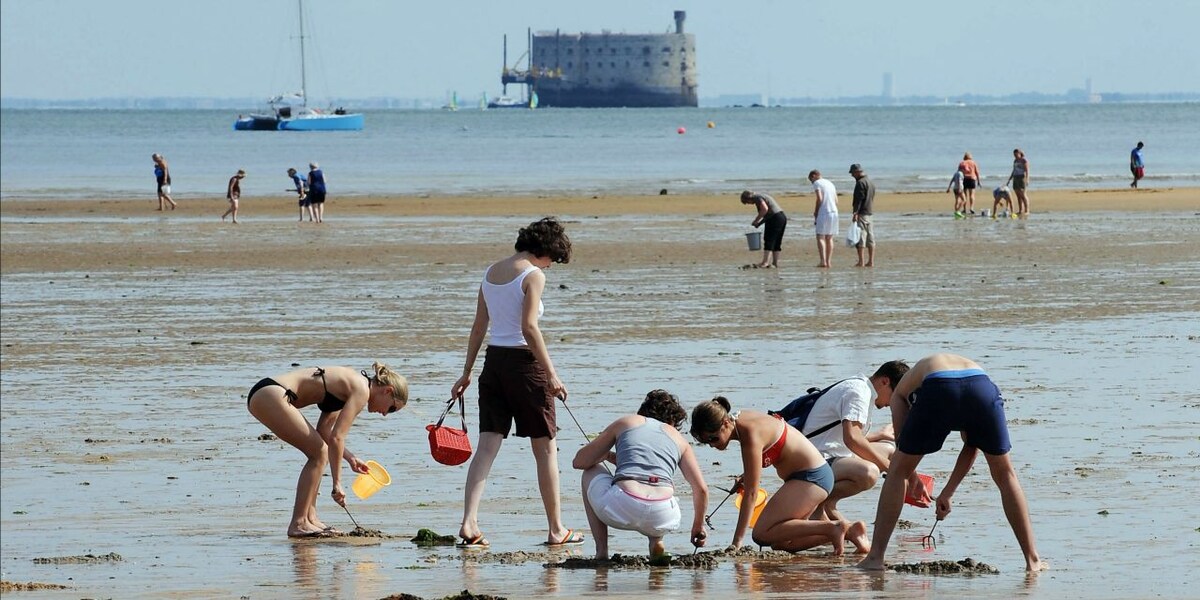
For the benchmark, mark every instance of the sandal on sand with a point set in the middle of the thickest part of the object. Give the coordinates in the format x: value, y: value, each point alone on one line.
x: 573, y: 538
x: 470, y: 543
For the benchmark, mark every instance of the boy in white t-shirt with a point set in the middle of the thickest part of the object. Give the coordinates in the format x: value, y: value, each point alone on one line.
x: 857, y: 458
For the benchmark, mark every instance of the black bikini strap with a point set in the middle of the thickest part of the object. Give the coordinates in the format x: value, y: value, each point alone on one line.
x: 321, y: 373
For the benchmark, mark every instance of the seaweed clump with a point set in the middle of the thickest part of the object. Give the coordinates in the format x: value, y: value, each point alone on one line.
x: 429, y: 537
x: 966, y: 566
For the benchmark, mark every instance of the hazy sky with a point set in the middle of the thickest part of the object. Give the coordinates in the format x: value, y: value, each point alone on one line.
x: 73, y: 49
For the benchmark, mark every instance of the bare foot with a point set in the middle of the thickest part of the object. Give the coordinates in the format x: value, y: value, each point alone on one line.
x: 837, y: 535
x: 858, y: 264
x: 1036, y: 565
x: 657, y: 549
x: 857, y: 534
x: 869, y: 265
x: 870, y: 563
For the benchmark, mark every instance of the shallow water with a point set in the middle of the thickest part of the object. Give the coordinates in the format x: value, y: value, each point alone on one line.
x: 124, y: 428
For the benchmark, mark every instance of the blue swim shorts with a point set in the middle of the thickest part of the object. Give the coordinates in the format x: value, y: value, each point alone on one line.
x: 965, y: 401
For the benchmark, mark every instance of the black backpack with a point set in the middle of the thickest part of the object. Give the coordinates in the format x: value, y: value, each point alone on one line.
x: 796, y: 411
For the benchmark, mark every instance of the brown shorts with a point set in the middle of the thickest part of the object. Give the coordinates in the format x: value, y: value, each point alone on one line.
x: 513, y: 387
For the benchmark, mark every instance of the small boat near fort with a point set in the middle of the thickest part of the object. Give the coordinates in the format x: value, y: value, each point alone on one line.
x: 290, y: 112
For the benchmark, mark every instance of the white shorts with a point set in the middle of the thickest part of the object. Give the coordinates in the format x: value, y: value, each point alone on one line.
x: 166, y: 189
x: 827, y: 224
x: 617, y: 508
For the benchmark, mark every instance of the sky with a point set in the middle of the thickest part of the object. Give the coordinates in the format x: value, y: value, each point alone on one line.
x: 78, y: 49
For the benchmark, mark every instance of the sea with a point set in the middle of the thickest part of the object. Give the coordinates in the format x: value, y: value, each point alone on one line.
x: 86, y: 154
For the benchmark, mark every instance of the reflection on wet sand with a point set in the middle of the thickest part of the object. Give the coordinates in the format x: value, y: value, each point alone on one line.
x: 127, y: 354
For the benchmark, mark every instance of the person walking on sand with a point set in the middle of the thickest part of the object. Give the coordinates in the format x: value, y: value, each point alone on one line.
x: 162, y: 175
x: 640, y: 495
x: 825, y: 217
x: 518, y: 383
x: 960, y: 199
x: 233, y: 193
x: 1020, y: 182
x: 838, y: 426
x: 940, y: 394
x: 316, y: 192
x: 341, y: 393
x: 971, y: 180
x: 300, y: 184
x: 769, y: 441
x: 772, y: 216
x: 864, y: 202
x: 1137, y: 165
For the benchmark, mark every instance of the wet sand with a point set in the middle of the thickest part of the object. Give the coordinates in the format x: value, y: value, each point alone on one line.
x: 130, y: 338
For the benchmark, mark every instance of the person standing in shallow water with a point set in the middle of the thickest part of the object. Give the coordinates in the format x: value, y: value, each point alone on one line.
x: 940, y: 394
x: 316, y: 192
x: 1020, y: 182
x: 300, y: 184
x: 772, y: 216
x: 341, y: 393
x: 825, y: 217
x: 519, y: 383
x: 971, y: 180
x: 864, y: 203
x: 1137, y: 165
x: 233, y: 193
x: 162, y: 175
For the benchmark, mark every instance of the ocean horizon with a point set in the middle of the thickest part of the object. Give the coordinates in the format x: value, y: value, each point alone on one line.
x: 102, y: 154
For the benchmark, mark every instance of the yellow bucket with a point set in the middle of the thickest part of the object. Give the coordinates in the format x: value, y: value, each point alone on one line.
x: 372, y: 481
x: 759, y: 503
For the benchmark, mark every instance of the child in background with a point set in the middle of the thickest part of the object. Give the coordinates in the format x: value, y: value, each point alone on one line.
x: 960, y: 200
x: 998, y: 194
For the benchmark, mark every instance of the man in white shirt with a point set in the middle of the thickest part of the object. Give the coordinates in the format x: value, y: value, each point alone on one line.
x: 857, y: 457
x: 825, y: 216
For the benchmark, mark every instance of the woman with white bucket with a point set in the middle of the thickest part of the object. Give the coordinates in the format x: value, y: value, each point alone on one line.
x: 341, y: 393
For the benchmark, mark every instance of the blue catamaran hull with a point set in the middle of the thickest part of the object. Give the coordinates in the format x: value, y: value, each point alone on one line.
x: 333, y: 122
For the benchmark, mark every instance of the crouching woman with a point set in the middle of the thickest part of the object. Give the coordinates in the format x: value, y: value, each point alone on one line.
x: 768, y: 441
x: 640, y: 495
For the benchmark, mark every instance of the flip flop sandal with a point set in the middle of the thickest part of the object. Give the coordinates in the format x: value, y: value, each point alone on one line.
x: 476, y: 542
x: 573, y: 538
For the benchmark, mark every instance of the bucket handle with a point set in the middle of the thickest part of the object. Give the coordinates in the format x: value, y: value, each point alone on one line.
x: 462, y: 413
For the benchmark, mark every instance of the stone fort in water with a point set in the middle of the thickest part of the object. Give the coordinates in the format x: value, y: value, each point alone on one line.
x: 607, y: 69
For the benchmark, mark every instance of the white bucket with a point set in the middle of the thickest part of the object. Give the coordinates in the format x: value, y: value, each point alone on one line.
x: 754, y: 240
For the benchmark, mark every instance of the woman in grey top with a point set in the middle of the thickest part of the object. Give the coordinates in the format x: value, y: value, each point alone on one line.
x: 772, y: 216
x: 1020, y: 181
x: 640, y: 495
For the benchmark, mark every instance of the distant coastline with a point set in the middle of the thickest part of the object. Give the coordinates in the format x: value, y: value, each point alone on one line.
x: 247, y: 104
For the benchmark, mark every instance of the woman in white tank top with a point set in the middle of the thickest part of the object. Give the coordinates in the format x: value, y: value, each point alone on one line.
x: 518, y: 383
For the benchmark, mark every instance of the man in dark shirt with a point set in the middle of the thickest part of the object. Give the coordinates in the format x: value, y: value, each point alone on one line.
x: 864, y: 199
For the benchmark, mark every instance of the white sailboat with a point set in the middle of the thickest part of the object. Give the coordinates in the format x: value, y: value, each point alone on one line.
x: 290, y: 112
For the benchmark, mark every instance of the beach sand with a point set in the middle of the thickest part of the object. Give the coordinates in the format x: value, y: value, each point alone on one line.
x: 130, y: 338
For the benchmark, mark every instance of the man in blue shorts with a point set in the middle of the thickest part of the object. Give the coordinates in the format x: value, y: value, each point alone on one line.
x: 940, y: 394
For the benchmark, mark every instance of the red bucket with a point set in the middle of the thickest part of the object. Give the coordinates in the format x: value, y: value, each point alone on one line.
x: 926, y: 481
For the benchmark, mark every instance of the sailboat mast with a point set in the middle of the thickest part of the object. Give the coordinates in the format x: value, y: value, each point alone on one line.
x: 303, y: 67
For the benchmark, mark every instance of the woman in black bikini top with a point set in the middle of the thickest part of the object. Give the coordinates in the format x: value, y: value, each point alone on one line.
x: 341, y: 393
